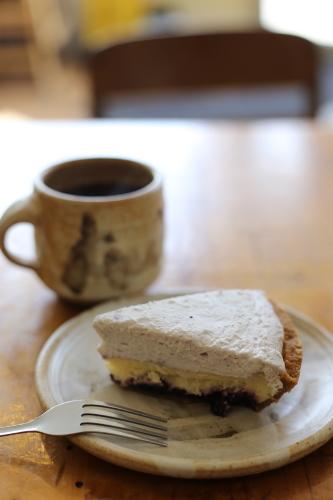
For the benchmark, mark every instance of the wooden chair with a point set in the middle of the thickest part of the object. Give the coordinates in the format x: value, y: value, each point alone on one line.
x: 207, y: 61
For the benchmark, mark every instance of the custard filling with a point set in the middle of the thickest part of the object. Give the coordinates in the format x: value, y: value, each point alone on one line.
x: 196, y: 383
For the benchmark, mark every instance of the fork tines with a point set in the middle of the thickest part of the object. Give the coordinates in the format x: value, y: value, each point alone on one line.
x: 124, y: 409
x: 108, y: 418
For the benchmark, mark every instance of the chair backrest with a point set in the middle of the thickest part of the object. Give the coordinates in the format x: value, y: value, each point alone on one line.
x: 243, y: 60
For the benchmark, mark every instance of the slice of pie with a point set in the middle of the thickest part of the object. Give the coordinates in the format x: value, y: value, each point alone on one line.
x: 230, y: 346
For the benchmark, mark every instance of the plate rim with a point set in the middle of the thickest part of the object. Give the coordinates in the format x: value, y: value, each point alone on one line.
x: 171, y: 466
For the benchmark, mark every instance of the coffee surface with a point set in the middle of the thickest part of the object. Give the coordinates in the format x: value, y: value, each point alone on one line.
x: 101, y: 189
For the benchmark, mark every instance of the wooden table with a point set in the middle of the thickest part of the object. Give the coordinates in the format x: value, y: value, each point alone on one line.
x: 247, y: 206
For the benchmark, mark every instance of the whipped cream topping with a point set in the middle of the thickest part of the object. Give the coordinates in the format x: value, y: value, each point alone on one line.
x: 233, y: 333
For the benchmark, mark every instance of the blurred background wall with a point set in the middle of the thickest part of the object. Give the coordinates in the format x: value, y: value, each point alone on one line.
x: 44, y: 44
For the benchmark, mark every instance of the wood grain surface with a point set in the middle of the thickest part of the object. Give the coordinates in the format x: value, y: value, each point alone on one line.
x: 247, y: 205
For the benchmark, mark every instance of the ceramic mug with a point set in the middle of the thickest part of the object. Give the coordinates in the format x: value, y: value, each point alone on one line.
x: 98, y: 228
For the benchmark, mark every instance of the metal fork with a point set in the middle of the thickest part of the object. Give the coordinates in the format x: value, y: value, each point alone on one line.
x: 83, y: 416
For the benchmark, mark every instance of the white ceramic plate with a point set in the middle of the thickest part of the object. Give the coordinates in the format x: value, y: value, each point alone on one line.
x: 201, y: 444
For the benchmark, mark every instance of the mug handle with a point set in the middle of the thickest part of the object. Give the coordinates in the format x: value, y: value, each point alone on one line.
x: 20, y: 211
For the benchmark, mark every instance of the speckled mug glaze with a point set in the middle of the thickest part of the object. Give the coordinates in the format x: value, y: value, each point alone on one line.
x: 90, y: 248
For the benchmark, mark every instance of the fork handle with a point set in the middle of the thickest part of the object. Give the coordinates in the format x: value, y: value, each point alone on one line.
x: 19, y: 428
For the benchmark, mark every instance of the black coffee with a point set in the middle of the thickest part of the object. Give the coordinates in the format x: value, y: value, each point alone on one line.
x: 102, y: 189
